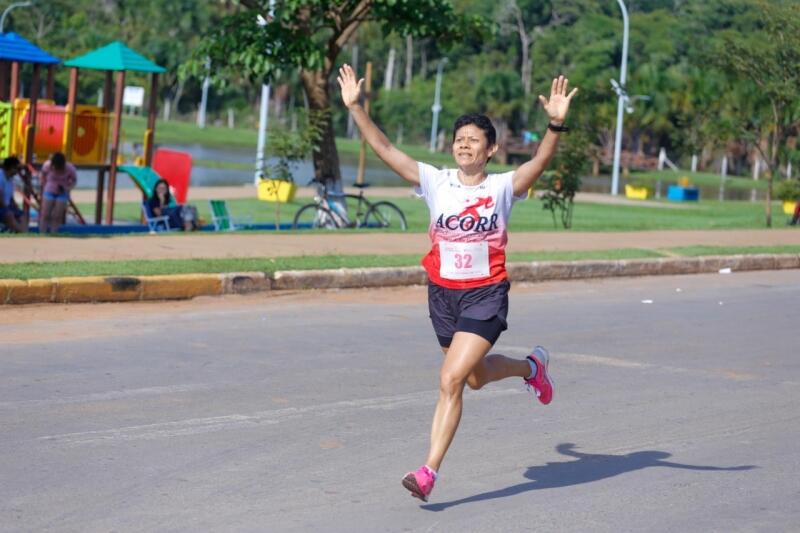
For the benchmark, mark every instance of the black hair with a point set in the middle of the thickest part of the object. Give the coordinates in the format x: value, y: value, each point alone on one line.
x: 58, y: 161
x: 168, y: 196
x: 481, y: 121
x: 11, y: 162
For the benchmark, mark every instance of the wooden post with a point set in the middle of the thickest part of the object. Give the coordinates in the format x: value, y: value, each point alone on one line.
x: 14, y: 81
x: 362, y: 155
x: 98, y: 202
x: 112, y: 174
x: 107, y: 86
x: 30, y: 130
x: 5, y: 68
x: 51, y: 87
x: 72, y: 96
x: 151, y: 121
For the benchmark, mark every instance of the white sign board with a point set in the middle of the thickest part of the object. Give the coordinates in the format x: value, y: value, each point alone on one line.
x: 133, y: 96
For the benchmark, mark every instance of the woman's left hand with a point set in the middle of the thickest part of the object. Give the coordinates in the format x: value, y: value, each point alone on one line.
x: 558, y: 104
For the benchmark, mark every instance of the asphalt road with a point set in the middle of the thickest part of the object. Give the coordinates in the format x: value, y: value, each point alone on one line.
x: 301, y: 412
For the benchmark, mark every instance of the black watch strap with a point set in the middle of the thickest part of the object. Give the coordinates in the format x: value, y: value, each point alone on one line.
x: 559, y: 129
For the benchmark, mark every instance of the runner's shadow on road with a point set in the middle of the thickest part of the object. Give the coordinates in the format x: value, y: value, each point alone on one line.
x: 585, y: 468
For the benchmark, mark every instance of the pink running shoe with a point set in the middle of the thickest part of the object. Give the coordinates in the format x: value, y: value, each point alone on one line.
x: 542, y: 383
x: 420, y: 483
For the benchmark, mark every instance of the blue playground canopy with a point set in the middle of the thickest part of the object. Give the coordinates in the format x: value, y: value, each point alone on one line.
x: 14, y: 48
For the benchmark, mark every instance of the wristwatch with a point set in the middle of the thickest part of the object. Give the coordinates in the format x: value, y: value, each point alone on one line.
x: 558, y: 129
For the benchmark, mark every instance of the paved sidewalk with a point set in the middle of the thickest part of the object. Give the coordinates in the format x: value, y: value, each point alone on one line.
x: 37, y: 248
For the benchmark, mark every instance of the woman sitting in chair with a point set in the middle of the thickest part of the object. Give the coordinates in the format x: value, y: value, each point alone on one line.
x: 178, y: 216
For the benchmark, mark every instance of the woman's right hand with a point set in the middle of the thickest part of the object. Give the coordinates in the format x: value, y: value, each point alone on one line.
x: 351, y: 89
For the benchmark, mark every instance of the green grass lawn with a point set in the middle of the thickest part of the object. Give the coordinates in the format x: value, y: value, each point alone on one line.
x: 698, y: 178
x: 528, y: 215
x: 269, y: 265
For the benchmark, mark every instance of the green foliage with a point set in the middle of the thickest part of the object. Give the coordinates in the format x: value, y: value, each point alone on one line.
x: 304, y: 34
x: 499, y: 94
x: 166, y: 32
x: 561, y: 185
x: 293, y: 146
x: 788, y: 190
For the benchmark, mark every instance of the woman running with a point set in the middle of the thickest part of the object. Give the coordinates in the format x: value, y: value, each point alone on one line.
x: 468, y: 288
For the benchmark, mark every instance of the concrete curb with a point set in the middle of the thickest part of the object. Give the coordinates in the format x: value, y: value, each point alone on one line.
x: 185, y: 286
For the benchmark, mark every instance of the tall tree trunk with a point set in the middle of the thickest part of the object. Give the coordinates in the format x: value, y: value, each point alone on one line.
x: 773, y: 169
x: 388, y: 75
x: 175, y: 101
x: 526, y: 63
x: 325, y: 157
x: 167, y: 108
x: 409, y: 60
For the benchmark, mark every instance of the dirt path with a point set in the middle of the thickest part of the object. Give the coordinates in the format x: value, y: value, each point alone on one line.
x: 269, y: 245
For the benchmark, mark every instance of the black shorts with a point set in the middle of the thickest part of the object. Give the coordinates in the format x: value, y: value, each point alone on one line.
x: 481, y: 311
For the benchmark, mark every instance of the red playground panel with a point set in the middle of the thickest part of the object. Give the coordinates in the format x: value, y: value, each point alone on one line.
x: 176, y: 168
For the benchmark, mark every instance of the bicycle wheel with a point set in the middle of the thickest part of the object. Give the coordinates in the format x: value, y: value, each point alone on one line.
x: 385, y: 215
x: 314, y: 216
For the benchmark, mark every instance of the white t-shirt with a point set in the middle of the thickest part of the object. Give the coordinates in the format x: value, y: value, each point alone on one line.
x: 468, y: 228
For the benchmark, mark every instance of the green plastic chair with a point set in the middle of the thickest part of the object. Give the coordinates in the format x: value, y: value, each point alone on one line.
x: 223, y: 220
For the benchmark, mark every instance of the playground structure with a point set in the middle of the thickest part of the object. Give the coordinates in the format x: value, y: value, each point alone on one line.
x: 33, y: 128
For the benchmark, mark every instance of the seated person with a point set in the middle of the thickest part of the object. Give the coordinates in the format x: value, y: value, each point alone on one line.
x: 11, y: 216
x: 179, y: 216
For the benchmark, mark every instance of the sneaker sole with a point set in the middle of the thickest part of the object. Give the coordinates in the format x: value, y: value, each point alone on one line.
x: 410, y: 483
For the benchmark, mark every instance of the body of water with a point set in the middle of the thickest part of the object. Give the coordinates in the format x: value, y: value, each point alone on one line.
x: 376, y: 174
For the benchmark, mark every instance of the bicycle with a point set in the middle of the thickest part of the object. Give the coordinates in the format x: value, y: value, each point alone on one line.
x: 327, y: 213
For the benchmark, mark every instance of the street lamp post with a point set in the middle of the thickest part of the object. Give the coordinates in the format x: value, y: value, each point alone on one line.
x: 9, y: 8
x: 437, y: 106
x: 621, y: 97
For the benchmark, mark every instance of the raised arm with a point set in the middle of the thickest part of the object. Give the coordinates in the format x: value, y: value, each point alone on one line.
x: 556, y: 107
x: 398, y: 161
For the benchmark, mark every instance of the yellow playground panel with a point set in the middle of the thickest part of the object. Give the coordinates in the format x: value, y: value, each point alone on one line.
x: 636, y: 193
x: 6, y: 117
x: 276, y: 190
x: 90, y: 135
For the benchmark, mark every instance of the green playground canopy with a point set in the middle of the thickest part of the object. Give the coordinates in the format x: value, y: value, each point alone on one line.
x: 115, y: 56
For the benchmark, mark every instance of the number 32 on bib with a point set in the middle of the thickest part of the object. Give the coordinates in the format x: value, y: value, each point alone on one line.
x: 464, y: 260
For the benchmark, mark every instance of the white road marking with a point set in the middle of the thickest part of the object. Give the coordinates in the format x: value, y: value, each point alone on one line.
x: 618, y: 362
x: 195, y: 426
x: 105, y: 396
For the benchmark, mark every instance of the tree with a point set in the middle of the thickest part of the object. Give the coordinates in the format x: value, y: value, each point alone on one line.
x: 165, y: 32
x: 769, y: 59
x: 308, y: 35
x: 529, y: 19
x: 562, y: 183
x: 499, y: 95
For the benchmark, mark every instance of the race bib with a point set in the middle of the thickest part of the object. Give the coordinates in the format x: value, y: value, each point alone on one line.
x: 464, y: 260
